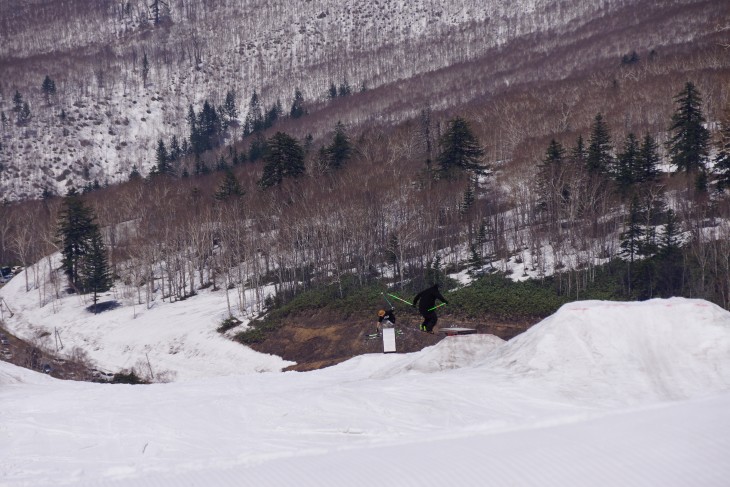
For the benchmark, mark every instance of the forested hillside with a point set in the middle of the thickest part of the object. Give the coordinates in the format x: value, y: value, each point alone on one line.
x: 314, y: 143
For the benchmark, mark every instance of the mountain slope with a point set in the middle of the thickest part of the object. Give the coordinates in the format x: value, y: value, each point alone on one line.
x: 416, y: 53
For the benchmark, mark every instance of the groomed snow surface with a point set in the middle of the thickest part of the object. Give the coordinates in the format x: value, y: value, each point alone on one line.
x: 599, y: 394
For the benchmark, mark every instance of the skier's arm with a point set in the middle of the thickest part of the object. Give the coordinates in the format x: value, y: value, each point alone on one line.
x: 418, y: 296
x: 438, y: 295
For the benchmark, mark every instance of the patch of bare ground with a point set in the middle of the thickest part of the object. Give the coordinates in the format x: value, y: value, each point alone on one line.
x: 324, y: 338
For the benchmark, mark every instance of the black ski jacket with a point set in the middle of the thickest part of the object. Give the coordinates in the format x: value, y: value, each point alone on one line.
x: 426, y: 299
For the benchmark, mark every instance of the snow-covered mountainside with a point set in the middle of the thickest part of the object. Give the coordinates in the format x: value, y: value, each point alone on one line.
x: 110, y: 108
x: 600, y: 393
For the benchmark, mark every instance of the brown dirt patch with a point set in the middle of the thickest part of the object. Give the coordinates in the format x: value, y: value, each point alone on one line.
x: 323, y: 338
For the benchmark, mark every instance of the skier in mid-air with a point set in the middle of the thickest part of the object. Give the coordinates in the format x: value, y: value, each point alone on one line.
x: 426, y: 302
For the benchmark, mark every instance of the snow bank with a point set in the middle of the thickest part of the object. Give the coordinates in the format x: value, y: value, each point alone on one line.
x: 587, y: 396
x: 177, y: 340
x: 653, y: 350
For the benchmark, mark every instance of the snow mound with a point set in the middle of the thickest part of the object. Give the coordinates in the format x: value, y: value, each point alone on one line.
x: 12, y: 374
x: 659, y: 349
x: 450, y: 353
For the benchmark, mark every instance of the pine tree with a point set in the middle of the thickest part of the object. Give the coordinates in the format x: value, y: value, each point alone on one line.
x: 134, y: 174
x: 229, y: 187
x: 255, y: 118
x: 332, y: 92
x: 460, y: 150
x: 24, y: 114
x: 257, y: 149
x: 229, y: 107
x: 627, y: 164
x: 95, y: 275
x: 648, y: 161
x: 598, y: 157
x: 48, y: 88
x: 76, y: 229
x: 175, y: 150
x: 345, y: 89
x: 340, y: 151
x: 284, y: 159
x: 688, y: 146
x: 476, y: 262
x: 272, y: 114
x: 17, y: 102
x: 297, y: 106
x: 162, y: 166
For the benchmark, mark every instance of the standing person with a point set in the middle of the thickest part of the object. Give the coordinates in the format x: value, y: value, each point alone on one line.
x: 426, y: 300
x: 385, y: 318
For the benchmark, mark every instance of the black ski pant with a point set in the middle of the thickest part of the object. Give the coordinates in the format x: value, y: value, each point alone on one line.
x: 429, y: 320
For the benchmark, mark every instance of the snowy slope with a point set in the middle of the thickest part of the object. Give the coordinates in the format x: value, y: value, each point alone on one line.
x: 598, y: 394
x: 179, y: 339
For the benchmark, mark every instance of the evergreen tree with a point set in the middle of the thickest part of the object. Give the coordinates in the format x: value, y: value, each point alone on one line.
x: 460, y: 150
x: 209, y: 125
x: 200, y: 167
x: 272, y: 114
x: 284, y: 159
x: 95, y: 275
x: 229, y: 187
x: 255, y: 118
x: 24, y: 114
x: 648, y: 161
x: 48, y: 88
x: 340, y: 151
x: 175, y: 150
x: 229, y: 107
x: 17, y: 102
x: 257, y: 149
x: 332, y: 92
x: 77, y: 234
x: 3, y: 120
x: 688, y: 146
x: 598, y: 157
x: 134, y: 174
x: 345, y: 89
x: 297, y: 106
x: 627, y: 164
x: 162, y: 158
x: 476, y: 262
